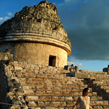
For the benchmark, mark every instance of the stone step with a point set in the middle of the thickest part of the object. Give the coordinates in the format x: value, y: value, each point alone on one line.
x: 101, y: 81
x: 71, y: 79
x: 49, y: 107
x: 47, y: 88
x: 101, y: 107
x: 55, y: 83
x: 30, y: 75
x: 51, y: 104
x: 42, y: 84
x: 58, y: 98
x: 52, y: 93
x: 41, y: 71
x: 56, y: 93
x: 64, y: 103
x: 44, y: 77
x: 98, y: 103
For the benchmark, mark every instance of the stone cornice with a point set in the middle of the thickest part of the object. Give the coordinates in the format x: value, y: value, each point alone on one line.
x: 40, y: 38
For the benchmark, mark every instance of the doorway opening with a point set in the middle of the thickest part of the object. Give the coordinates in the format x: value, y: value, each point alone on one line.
x: 52, y: 61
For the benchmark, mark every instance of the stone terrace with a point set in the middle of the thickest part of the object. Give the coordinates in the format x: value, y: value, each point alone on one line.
x: 44, y: 87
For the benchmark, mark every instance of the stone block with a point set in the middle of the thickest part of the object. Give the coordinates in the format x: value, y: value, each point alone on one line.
x: 44, y: 98
x: 15, y: 107
x: 55, y: 104
x: 68, y: 98
x: 76, y: 68
x: 41, y: 104
x: 81, y: 75
x: 47, y: 103
x: 10, y: 94
x: 17, y: 68
x: 55, y: 98
x: 29, y: 92
x: 63, y: 104
x: 68, y: 104
x: 32, y: 98
x: 32, y: 104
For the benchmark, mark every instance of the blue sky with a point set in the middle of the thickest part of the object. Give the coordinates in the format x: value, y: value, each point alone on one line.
x: 87, y: 25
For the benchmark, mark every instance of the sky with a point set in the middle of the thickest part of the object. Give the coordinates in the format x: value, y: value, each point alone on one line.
x: 87, y: 25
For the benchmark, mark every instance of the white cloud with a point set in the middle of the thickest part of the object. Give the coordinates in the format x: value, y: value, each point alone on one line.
x: 1, y: 18
x: 70, y: 62
x: 75, y: 63
x: 10, y: 15
x: 6, y: 18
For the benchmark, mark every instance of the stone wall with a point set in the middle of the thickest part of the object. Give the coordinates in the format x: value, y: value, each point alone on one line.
x: 36, y: 53
x: 3, y: 88
x: 106, y: 69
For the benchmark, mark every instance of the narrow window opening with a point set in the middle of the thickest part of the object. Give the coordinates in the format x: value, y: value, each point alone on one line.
x: 52, y: 61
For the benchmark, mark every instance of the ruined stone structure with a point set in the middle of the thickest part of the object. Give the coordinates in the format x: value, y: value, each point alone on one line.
x: 32, y: 45
x: 106, y: 69
x: 36, y: 35
x: 33, y: 86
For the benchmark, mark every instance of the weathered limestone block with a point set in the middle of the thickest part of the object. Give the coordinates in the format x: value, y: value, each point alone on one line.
x: 28, y: 92
x: 32, y: 104
x: 15, y: 107
x: 17, y: 68
x: 68, y: 99
x: 55, y: 98
x: 44, y: 98
x: 41, y: 104
x: 81, y: 75
x: 55, y: 104
x: 31, y: 98
x: 6, y: 56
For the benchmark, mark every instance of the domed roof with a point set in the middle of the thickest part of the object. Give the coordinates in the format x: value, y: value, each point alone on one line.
x: 31, y: 19
x: 39, y: 20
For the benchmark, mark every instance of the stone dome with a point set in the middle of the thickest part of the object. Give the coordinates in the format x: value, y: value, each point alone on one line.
x: 38, y: 24
x: 39, y: 19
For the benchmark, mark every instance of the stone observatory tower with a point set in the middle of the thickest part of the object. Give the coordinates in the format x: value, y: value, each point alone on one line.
x: 36, y: 35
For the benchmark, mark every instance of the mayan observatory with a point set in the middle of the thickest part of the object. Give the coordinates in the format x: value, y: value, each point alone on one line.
x: 34, y: 74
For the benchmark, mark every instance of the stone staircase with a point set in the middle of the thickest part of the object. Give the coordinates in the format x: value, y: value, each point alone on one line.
x: 99, y: 81
x: 45, y: 87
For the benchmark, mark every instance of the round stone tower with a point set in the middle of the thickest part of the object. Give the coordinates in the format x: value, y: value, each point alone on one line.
x: 36, y: 35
